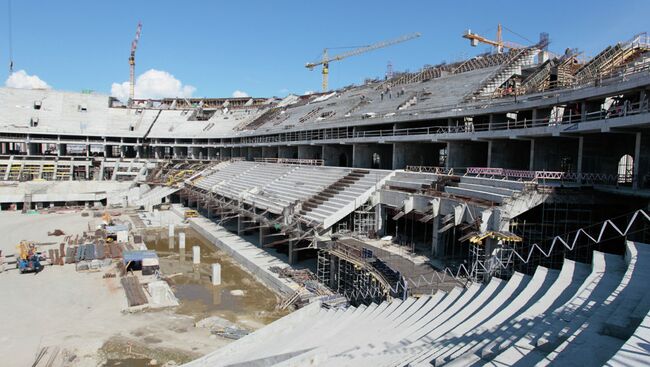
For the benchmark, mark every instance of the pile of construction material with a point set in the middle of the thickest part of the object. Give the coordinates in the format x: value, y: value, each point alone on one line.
x: 310, y: 289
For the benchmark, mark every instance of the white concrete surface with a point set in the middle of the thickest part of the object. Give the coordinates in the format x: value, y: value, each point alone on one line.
x: 552, y: 317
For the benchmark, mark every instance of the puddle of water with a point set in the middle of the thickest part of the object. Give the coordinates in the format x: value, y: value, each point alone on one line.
x: 194, y: 289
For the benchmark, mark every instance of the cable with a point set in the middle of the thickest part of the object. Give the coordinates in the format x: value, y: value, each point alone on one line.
x: 517, y: 34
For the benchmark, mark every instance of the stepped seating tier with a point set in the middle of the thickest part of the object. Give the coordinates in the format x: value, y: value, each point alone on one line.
x: 580, y: 315
x: 321, y: 193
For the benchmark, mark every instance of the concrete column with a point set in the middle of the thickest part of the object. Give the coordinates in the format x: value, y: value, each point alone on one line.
x: 196, y: 255
x: 216, y: 274
x: 379, y: 220
x: 579, y: 163
x: 181, y: 239
x: 637, y: 161
x: 171, y: 230
x: 534, y: 115
x: 292, y: 259
x: 489, y: 153
x: 239, y: 225
x: 490, y: 121
x: 531, y: 165
x: 583, y: 111
x: 436, y: 245
x: 262, y: 232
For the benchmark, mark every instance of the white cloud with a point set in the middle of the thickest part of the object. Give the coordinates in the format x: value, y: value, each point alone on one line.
x: 153, y: 84
x: 20, y: 79
x: 239, y: 94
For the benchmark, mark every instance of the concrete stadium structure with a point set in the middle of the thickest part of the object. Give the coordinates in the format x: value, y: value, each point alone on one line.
x: 496, y: 182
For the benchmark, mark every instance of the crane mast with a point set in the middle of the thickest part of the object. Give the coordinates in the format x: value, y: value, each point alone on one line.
x: 134, y: 46
x: 326, y: 59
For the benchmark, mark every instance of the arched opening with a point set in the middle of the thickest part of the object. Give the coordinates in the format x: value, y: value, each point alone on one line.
x: 625, y: 169
x: 343, y: 160
x: 376, y: 160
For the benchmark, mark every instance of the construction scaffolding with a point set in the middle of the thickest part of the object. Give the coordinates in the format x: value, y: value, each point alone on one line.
x: 365, y: 222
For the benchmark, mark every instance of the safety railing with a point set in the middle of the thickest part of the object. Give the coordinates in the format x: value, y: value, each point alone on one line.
x: 305, y: 162
x: 543, y: 176
x: 558, y: 118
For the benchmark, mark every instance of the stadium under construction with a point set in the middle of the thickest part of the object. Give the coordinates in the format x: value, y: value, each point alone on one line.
x: 490, y: 211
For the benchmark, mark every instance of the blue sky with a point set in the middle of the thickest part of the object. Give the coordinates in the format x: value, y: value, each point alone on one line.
x: 260, y: 47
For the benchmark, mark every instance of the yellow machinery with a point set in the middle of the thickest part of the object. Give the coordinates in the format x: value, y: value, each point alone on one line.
x: 107, y: 219
x: 191, y: 214
x: 478, y: 238
x: 25, y: 250
x: 499, y: 44
x: 326, y: 59
x: 172, y: 179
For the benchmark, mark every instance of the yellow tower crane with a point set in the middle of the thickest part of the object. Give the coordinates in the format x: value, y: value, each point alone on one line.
x: 499, y: 44
x: 326, y: 59
x: 134, y: 46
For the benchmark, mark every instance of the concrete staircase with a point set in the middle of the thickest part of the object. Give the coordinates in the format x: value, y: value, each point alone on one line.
x: 553, y: 317
x: 155, y: 196
x: 516, y: 59
x: 333, y: 196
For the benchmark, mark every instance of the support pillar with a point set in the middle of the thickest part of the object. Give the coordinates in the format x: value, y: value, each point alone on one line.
x: 531, y: 164
x: 292, y: 259
x: 216, y: 274
x: 637, y: 161
x: 196, y: 255
x: 489, y: 153
x: 436, y: 250
x: 579, y: 164
x: 262, y: 231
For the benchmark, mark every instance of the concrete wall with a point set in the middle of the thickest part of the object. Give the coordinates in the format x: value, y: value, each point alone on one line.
x: 254, y: 152
x: 416, y: 154
x: 362, y: 155
x: 310, y: 152
x: 225, y: 153
x: 288, y: 152
x: 337, y: 155
x: 270, y: 152
x: 467, y: 154
x: 602, y: 152
x: 555, y: 154
x: 512, y: 154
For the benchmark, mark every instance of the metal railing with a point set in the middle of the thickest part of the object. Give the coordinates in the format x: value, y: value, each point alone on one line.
x: 626, y: 109
x: 304, y: 162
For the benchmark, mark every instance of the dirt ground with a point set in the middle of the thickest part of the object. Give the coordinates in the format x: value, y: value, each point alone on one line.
x: 81, y: 316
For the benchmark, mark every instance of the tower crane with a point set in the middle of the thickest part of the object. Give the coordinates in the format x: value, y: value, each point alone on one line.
x: 134, y: 46
x: 499, y: 44
x: 326, y: 59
